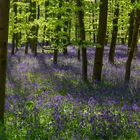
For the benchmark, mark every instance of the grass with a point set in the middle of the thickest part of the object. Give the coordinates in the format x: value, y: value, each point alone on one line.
x: 50, y: 102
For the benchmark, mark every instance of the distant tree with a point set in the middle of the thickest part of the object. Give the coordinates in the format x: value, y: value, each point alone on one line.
x: 14, y: 38
x: 133, y: 45
x: 94, y: 22
x: 66, y: 40
x: 46, y: 16
x: 98, y: 61
x: 131, y: 28
x: 4, y: 19
x: 34, y: 29
x: 77, y: 35
x: 82, y: 38
x: 57, y: 38
x: 114, y: 34
x: 27, y: 33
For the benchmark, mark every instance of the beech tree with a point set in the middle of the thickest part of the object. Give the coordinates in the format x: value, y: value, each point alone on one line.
x: 14, y: 38
x: 98, y: 61
x: 131, y: 27
x: 34, y: 29
x: 82, y: 38
x: 114, y: 34
x: 57, y: 39
x: 133, y: 45
x: 66, y: 40
x: 4, y: 18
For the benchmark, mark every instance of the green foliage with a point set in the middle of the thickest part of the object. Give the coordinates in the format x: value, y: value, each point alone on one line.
x: 48, y: 19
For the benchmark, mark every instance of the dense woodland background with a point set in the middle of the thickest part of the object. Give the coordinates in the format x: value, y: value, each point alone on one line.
x: 77, y: 23
x: 73, y: 69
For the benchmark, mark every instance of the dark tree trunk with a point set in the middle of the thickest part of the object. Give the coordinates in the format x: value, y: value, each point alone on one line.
x: 14, y: 34
x: 55, y: 55
x: 131, y: 28
x: 27, y: 38
x: 26, y: 47
x: 33, y: 40
x: 66, y: 41
x: 98, y: 61
x: 114, y: 35
x: 94, y: 27
x: 79, y: 54
x: 18, y: 35
x: 46, y: 16
x: 133, y: 46
x: 82, y: 38
x: 57, y: 41
x: 4, y: 16
x: 77, y: 35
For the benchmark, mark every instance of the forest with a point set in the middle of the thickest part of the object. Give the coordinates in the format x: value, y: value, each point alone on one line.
x: 69, y: 70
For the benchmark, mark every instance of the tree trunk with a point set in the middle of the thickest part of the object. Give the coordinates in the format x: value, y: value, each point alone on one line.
x: 133, y: 46
x: 4, y: 19
x: 98, y: 61
x: 33, y: 40
x: 77, y: 34
x: 114, y: 34
x: 94, y: 27
x: 15, y: 22
x: 46, y: 16
x: 27, y: 38
x: 131, y: 28
x: 66, y: 30
x: 82, y: 38
x: 57, y: 41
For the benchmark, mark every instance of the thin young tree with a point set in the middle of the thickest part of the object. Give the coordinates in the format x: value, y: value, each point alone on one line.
x: 33, y: 39
x: 4, y: 19
x: 82, y: 38
x: 57, y: 40
x: 66, y: 27
x: 133, y: 45
x: 76, y: 35
x: 27, y: 34
x: 14, y: 38
x: 131, y: 28
x: 114, y: 34
x: 46, y: 16
x: 98, y: 61
x: 94, y: 22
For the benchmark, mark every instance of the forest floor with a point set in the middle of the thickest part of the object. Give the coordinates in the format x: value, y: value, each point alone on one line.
x: 47, y: 101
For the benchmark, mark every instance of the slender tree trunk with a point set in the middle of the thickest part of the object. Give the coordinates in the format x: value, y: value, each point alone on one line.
x: 77, y: 35
x: 82, y: 38
x: 4, y: 19
x: 33, y: 40
x: 94, y: 27
x: 98, y: 61
x: 133, y: 46
x: 46, y: 16
x: 18, y: 35
x: 66, y: 29
x: 36, y: 35
x: 26, y: 47
x: 114, y: 35
x: 79, y: 54
x: 131, y: 28
x: 27, y: 38
x: 15, y: 22
x: 13, y: 44
x: 57, y: 41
